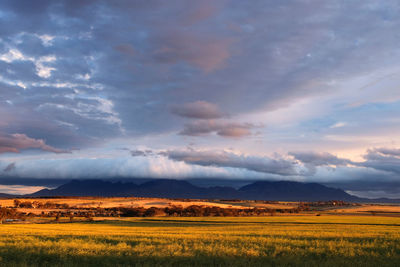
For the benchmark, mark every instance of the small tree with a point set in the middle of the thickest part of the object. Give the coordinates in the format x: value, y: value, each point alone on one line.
x: 89, y: 217
x: 17, y: 203
x: 272, y: 212
x: 3, y: 215
x: 6, y: 213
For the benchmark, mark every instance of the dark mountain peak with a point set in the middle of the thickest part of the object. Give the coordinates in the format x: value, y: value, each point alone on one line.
x: 170, y: 188
x: 291, y: 190
x: 93, y: 187
x: 85, y: 183
x: 168, y: 183
x: 4, y: 195
x: 282, y: 185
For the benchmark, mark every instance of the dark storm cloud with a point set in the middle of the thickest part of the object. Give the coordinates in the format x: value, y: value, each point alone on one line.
x: 383, y: 159
x: 227, y: 159
x: 141, y: 153
x: 369, y: 183
x: 384, y: 151
x: 380, y: 159
x: 377, y: 176
x: 311, y: 160
x: 9, y: 167
x: 380, y: 165
x: 126, y: 49
x: 365, y: 181
x: 197, y: 110
x: 201, y: 51
x: 114, y: 66
x: 319, y: 159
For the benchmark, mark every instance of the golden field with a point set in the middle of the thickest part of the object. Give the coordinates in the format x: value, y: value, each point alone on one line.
x: 110, y: 202
x: 205, y: 241
x: 134, y: 202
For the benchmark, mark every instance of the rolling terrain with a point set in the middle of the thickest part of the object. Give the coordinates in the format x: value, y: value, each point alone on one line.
x: 168, y: 188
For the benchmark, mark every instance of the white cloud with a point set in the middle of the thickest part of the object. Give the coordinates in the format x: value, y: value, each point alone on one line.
x: 41, y: 63
x: 338, y: 125
x: 42, y: 69
x: 13, y: 55
x: 21, y: 84
x: 46, y: 39
x: 107, y: 167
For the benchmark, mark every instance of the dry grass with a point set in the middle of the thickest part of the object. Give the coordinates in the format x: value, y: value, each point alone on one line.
x: 367, y: 208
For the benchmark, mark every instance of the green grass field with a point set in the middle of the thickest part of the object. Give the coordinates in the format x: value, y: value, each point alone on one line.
x: 211, y: 241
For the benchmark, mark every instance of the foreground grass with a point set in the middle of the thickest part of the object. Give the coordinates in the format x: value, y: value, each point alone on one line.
x: 260, y: 241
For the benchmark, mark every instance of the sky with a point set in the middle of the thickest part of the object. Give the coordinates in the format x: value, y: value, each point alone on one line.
x: 259, y: 90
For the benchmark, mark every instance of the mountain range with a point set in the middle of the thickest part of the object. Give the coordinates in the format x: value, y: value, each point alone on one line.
x: 169, y: 188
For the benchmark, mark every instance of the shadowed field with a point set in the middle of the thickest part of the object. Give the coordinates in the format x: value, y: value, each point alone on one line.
x: 222, y: 241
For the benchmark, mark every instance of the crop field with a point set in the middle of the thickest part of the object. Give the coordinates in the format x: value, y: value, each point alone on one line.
x: 205, y: 241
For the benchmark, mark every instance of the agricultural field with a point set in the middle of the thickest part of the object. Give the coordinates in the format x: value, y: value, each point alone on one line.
x: 205, y: 241
x: 112, y: 206
x: 110, y: 202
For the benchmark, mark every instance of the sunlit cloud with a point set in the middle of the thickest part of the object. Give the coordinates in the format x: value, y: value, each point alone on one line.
x: 19, y: 189
x: 225, y: 88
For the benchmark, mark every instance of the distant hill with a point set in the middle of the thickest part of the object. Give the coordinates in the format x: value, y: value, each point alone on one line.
x: 289, y: 191
x: 168, y: 188
x: 3, y: 195
x: 89, y: 188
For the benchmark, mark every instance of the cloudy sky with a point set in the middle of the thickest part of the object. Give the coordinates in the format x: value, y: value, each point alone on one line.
x: 284, y: 90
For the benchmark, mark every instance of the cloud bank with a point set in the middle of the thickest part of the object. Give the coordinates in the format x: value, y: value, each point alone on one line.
x: 17, y: 142
x: 226, y: 159
x: 373, y: 174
